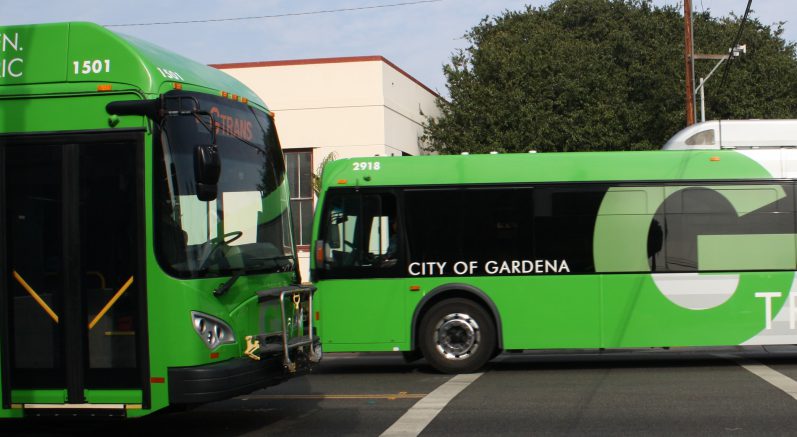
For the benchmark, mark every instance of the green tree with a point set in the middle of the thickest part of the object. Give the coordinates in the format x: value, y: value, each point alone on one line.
x: 601, y: 75
x: 319, y: 171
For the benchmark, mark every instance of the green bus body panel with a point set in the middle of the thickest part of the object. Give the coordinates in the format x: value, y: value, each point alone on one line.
x: 57, y: 53
x: 378, y: 312
x: 39, y: 396
x: 621, y: 305
x: 579, y: 311
x: 371, y: 311
x: 114, y: 396
x: 92, y: 396
x: 636, y: 314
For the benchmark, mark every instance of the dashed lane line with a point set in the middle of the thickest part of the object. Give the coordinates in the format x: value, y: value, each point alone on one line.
x: 425, y: 410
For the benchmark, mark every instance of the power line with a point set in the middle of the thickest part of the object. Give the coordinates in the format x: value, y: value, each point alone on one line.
x: 293, y: 14
x: 736, y: 42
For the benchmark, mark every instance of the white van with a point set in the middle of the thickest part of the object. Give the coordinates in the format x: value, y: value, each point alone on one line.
x: 735, y: 134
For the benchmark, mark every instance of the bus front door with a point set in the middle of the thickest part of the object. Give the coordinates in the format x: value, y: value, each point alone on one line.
x: 72, y: 295
x: 363, y: 311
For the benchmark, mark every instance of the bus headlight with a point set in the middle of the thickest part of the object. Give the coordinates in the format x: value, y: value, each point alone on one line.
x: 213, y: 331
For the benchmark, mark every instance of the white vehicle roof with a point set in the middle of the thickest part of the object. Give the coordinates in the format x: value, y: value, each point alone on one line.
x: 735, y: 134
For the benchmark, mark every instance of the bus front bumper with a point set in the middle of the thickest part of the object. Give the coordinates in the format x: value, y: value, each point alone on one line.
x: 218, y: 381
x: 238, y: 376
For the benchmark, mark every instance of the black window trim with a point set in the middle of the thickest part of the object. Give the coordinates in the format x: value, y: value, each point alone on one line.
x: 400, y: 190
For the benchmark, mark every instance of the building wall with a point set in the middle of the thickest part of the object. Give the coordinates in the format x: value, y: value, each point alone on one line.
x: 408, y: 103
x: 352, y: 107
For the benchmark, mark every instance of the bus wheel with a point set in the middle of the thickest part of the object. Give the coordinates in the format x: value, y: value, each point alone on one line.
x: 457, y: 336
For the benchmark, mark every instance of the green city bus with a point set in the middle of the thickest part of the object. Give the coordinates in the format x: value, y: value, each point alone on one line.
x: 146, y: 245
x: 457, y: 258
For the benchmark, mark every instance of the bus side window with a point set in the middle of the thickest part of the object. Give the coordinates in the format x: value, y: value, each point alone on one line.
x: 379, y: 212
x: 341, y: 231
x: 435, y: 225
x: 383, y: 238
x: 360, y: 231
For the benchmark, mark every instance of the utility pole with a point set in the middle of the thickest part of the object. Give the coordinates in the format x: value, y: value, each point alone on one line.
x: 688, y: 48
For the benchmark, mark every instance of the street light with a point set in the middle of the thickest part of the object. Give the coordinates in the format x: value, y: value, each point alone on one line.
x: 735, y: 52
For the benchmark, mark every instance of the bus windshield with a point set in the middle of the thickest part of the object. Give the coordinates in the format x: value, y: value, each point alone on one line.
x: 247, y: 226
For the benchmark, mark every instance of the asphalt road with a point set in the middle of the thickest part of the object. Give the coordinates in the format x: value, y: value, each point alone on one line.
x: 641, y: 392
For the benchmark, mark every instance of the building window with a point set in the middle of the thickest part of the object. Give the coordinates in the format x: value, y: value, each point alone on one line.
x: 299, y: 163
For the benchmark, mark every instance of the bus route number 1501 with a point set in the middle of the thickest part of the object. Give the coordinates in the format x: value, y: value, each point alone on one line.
x: 94, y: 66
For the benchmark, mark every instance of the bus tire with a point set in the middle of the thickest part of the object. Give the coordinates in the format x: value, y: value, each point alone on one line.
x: 457, y: 336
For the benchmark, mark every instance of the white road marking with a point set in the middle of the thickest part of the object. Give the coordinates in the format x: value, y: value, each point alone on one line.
x: 424, y: 411
x: 768, y: 374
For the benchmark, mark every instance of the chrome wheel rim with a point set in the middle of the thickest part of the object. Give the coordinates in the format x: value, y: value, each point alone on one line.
x: 457, y: 336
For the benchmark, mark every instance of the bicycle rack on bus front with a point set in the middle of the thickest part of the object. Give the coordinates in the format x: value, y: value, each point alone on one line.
x: 288, y: 324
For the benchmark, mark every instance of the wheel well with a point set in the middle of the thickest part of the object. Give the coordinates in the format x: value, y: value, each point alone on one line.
x: 453, y: 291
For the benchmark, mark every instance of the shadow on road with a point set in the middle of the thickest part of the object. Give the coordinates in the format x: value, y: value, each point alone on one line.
x: 640, y: 358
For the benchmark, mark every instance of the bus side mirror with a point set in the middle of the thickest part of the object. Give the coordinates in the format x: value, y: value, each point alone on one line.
x: 319, y: 254
x: 207, y: 169
x: 148, y: 108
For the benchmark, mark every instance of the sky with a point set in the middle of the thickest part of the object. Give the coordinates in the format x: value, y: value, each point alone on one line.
x: 418, y: 36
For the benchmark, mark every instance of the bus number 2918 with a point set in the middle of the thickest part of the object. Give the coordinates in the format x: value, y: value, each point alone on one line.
x: 365, y: 165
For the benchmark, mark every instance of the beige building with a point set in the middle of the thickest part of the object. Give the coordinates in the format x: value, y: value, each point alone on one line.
x: 352, y: 107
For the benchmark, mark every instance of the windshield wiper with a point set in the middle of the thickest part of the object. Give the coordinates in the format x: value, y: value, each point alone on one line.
x: 286, y: 267
x: 225, y: 286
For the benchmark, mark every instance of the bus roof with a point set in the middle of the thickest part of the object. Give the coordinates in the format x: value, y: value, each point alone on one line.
x: 85, y: 52
x: 735, y: 134
x: 546, y: 167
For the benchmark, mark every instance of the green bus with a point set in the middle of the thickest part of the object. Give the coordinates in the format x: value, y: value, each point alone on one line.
x: 146, y: 250
x: 459, y: 258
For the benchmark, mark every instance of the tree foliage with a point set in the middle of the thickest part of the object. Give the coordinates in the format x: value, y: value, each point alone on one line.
x: 319, y: 171
x: 602, y: 75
